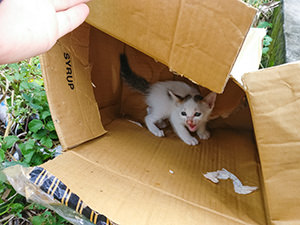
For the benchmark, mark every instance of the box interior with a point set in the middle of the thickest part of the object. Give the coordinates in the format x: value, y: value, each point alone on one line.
x: 135, y: 177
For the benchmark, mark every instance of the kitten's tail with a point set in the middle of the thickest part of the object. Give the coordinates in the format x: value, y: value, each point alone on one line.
x: 131, y: 78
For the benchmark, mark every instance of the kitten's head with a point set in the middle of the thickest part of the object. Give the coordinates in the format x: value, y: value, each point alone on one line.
x: 195, y: 110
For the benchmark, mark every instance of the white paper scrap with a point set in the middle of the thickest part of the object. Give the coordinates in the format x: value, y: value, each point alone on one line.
x: 224, y: 175
x: 136, y: 123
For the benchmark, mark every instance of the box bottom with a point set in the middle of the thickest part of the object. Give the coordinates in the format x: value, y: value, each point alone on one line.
x: 131, y: 176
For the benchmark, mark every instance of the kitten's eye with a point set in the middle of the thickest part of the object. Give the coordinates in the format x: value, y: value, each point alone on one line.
x: 183, y: 113
x: 197, y: 114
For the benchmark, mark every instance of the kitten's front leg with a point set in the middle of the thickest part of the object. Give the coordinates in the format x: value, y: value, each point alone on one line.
x: 183, y: 133
x: 150, y: 123
x: 202, y: 132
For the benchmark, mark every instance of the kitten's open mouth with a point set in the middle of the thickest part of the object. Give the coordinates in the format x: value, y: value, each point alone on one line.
x: 191, y: 126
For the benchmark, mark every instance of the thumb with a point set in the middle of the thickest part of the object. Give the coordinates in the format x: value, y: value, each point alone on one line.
x: 71, y: 18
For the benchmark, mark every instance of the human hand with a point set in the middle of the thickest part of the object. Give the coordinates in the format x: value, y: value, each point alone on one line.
x: 31, y: 27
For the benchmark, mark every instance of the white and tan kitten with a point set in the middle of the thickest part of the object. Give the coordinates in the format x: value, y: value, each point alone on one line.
x: 176, y: 101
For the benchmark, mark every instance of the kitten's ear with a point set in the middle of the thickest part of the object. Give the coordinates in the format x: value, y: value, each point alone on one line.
x: 178, y: 98
x: 210, y: 99
x: 175, y: 97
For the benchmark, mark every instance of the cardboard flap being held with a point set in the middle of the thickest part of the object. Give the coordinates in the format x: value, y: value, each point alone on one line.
x: 274, y: 97
x: 197, y: 39
x: 66, y: 73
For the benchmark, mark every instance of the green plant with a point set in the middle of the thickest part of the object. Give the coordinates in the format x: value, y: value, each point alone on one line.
x: 11, y: 204
x: 30, y: 129
x: 266, y: 42
x: 46, y: 217
x: 15, y: 210
x: 257, y: 3
x: 28, y: 138
x: 264, y: 20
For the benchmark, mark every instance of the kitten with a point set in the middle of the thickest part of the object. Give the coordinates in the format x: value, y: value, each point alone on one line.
x: 176, y: 101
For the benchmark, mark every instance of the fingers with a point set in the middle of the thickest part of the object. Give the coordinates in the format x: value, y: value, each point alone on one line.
x: 60, y: 5
x: 71, y: 18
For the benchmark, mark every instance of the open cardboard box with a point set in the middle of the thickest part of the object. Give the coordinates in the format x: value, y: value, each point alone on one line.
x: 120, y: 169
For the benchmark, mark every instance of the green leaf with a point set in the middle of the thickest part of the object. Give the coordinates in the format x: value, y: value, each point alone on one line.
x: 27, y: 97
x: 18, y: 76
x: 267, y: 40
x: 24, y: 85
x: 40, y: 82
x: 60, y: 220
x: 16, y: 208
x: 45, y: 114
x: 40, y: 134
x: 38, y: 220
x: 28, y: 157
x: 36, y: 160
x: 45, y: 157
x: 22, y: 147
x: 264, y: 24
x: 2, y: 155
x: 10, y: 78
x: 35, y: 106
x: 9, y: 141
x: 46, y: 141
x: 53, y: 135
x: 47, y: 213
x: 50, y: 126
x: 14, y: 66
x: 35, y: 85
x: 265, y: 50
x: 27, y: 150
x: 36, y: 206
x: 29, y: 145
x: 35, y: 125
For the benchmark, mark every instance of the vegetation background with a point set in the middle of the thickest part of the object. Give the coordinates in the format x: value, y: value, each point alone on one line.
x: 27, y: 133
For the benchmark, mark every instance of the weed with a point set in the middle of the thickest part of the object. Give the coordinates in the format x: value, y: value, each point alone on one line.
x: 28, y: 137
x: 263, y: 20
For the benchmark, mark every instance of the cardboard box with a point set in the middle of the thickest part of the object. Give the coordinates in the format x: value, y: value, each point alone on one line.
x: 124, y: 172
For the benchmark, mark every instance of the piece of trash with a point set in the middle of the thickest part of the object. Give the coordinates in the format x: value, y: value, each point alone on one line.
x: 136, y: 123
x: 224, y: 175
x: 58, y: 150
x: 171, y: 172
x: 3, y: 112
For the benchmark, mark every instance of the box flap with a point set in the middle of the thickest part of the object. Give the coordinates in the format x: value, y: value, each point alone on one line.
x: 274, y: 97
x: 197, y: 39
x: 249, y: 57
x: 138, y: 178
x: 66, y: 73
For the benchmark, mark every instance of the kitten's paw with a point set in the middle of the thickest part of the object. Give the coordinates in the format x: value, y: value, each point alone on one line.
x: 191, y: 141
x: 157, y: 133
x: 204, y: 135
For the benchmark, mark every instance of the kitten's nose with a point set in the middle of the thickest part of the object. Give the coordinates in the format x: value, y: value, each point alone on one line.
x: 190, y: 121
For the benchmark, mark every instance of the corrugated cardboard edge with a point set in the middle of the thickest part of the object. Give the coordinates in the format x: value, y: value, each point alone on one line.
x: 66, y: 73
x: 249, y: 57
x: 274, y: 94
